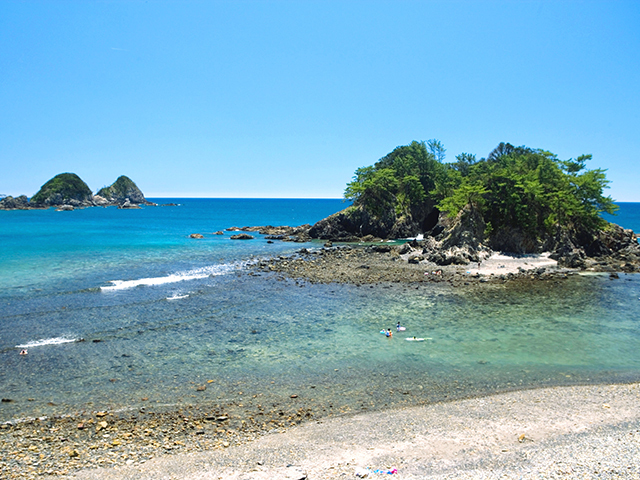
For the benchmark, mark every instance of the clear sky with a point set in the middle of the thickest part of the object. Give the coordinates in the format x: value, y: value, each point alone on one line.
x: 288, y: 98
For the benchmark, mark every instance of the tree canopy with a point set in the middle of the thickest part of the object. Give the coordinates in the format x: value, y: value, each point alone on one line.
x: 513, y: 187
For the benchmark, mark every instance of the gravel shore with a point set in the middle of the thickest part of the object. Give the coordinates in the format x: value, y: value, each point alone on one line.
x: 561, y: 432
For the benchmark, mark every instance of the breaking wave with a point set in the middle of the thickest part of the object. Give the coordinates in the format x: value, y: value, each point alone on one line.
x: 210, y: 271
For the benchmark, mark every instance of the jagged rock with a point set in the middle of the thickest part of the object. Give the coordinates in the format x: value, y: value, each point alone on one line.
x: 63, y: 189
x: 461, y: 242
x: 467, y: 229
x: 129, y: 205
x: 18, y: 203
x: 100, y: 201
x: 241, y: 236
x: 196, y: 235
x: 65, y: 208
x: 123, y: 190
x: 355, y: 222
x: 404, y: 249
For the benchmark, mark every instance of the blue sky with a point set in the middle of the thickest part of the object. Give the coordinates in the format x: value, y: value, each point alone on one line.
x: 288, y: 98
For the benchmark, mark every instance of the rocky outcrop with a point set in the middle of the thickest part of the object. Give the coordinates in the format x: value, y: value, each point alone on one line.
x: 18, y: 203
x: 355, y: 222
x: 121, y: 192
x: 461, y: 242
x: 63, y: 189
x: 283, y: 233
x: 612, y: 248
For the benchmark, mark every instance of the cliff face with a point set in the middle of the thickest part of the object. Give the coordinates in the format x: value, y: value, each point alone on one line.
x: 355, y: 222
x: 63, y: 189
x: 120, y: 191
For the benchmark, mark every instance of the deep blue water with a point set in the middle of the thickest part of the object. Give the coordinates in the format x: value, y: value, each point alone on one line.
x: 171, y: 312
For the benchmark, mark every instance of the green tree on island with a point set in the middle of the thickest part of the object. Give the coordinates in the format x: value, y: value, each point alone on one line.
x: 521, y: 188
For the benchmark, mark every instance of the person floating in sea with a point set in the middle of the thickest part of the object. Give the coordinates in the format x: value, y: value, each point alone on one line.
x: 398, y: 327
x: 23, y: 351
x: 389, y: 333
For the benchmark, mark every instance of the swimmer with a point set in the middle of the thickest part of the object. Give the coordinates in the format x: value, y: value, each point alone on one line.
x: 389, y: 334
x: 23, y: 352
x: 398, y: 327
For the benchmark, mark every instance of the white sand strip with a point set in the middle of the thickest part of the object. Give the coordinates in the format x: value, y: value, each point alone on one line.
x: 502, y: 264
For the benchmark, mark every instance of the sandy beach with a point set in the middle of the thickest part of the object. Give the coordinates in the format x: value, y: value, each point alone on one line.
x: 561, y: 432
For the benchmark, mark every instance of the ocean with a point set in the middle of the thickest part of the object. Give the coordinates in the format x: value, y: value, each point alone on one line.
x: 120, y: 309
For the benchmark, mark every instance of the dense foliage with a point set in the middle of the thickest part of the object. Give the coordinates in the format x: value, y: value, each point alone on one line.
x: 514, y: 187
x: 68, y: 186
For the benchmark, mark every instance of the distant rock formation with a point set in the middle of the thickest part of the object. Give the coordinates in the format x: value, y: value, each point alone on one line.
x: 67, y: 191
x: 63, y: 189
x: 18, y: 203
x: 123, y: 192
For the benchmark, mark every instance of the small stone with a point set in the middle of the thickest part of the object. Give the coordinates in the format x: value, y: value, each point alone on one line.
x: 101, y: 414
x: 225, y: 444
x: 222, y: 418
x: 201, y: 388
x: 294, y: 396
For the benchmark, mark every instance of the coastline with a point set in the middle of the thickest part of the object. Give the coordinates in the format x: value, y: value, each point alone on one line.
x: 567, y: 432
x: 400, y: 264
x: 173, y: 443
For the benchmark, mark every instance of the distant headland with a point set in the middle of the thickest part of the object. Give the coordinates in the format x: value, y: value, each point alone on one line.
x: 67, y: 191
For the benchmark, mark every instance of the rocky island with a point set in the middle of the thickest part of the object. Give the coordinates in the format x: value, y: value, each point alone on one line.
x: 67, y: 191
x: 522, y: 201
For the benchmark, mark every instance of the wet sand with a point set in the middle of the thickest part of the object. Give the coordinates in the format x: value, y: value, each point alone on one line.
x: 560, y: 432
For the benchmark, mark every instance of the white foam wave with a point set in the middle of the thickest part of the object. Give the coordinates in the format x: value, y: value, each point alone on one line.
x: 196, y: 274
x: 47, y: 341
x: 177, y: 297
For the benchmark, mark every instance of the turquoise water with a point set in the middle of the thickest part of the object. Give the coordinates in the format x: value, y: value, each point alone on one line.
x: 162, y: 313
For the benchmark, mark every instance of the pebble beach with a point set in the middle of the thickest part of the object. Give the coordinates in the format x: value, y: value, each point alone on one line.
x: 562, y: 432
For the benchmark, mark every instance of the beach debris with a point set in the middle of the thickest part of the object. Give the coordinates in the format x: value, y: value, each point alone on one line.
x: 362, y: 472
x: 522, y: 438
x: 389, y: 472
